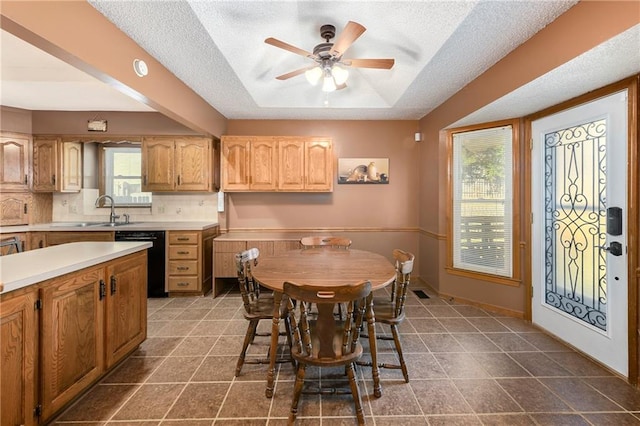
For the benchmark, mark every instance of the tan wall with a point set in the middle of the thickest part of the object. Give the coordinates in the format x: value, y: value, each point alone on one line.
x: 118, y: 123
x: 372, y: 211
x: 72, y: 31
x: 575, y: 32
x: 15, y: 120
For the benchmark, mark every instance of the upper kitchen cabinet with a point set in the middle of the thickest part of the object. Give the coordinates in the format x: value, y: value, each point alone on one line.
x: 235, y: 163
x: 57, y: 165
x: 277, y: 163
x: 306, y: 164
x: 178, y: 164
x: 14, y: 161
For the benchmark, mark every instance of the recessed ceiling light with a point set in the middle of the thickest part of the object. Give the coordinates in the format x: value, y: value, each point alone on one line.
x: 140, y: 67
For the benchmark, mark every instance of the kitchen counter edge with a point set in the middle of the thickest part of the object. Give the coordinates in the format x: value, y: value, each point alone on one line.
x: 31, y: 267
x: 138, y: 226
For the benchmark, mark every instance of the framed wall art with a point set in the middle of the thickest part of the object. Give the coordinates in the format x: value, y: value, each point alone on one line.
x: 363, y: 171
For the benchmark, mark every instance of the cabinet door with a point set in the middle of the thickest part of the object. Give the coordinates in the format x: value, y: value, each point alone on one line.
x: 18, y: 343
x: 71, y: 167
x: 158, y: 164
x: 291, y: 160
x: 36, y: 240
x: 224, y: 257
x: 263, y: 165
x: 319, y: 165
x: 14, y: 209
x: 235, y: 163
x: 72, y: 336
x: 126, y: 318
x: 45, y: 165
x: 14, y: 163
x: 192, y: 164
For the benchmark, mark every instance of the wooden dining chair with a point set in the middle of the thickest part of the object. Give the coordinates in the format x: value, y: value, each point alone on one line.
x: 257, y: 306
x: 390, y: 310
x: 322, y: 340
x: 318, y: 241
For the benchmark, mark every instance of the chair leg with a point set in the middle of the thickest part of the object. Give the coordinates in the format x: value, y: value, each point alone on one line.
x: 248, y: 338
x: 396, y: 340
x: 297, y: 391
x: 287, y: 326
x: 355, y: 392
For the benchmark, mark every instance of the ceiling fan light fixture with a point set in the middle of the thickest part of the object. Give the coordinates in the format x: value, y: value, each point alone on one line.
x: 340, y: 75
x: 313, y: 75
x: 328, y: 84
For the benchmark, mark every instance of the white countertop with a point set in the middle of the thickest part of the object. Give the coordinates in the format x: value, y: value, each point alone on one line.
x: 136, y: 226
x: 30, y: 267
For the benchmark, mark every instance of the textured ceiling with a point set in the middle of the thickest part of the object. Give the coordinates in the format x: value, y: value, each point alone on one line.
x: 217, y: 48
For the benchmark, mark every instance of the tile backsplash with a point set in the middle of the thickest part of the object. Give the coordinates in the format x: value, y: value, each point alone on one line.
x: 80, y: 206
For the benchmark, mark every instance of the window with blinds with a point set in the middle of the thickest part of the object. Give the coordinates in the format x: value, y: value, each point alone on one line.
x: 482, y: 201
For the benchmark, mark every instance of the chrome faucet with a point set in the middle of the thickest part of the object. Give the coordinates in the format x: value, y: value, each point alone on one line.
x: 112, y: 216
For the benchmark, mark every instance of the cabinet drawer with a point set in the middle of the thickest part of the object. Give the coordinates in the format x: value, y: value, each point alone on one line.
x: 183, y: 283
x: 183, y: 267
x: 183, y: 252
x: 183, y: 238
x: 230, y: 246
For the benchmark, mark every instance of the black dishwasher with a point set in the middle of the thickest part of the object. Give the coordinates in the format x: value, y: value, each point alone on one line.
x: 155, y: 258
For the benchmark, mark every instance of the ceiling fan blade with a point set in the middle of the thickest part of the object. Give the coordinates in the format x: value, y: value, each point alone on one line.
x: 385, y: 64
x: 286, y: 46
x: 294, y: 73
x: 351, y: 32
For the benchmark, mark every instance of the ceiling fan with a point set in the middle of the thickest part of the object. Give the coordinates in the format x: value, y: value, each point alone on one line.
x: 328, y: 57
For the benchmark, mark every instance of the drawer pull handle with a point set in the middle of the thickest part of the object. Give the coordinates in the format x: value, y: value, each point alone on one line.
x: 183, y: 268
x: 183, y: 252
x: 183, y: 284
x: 183, y: 238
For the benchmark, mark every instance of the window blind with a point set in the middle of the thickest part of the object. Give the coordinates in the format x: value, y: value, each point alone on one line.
x: 483, y: 201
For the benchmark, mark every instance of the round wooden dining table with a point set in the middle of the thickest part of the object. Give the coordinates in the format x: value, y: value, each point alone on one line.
x: 322, y: 266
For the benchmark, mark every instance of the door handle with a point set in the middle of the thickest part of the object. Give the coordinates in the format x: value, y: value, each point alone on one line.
x: 615, y: 248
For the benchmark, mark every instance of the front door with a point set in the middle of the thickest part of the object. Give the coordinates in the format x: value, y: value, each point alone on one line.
x: 579, y: 250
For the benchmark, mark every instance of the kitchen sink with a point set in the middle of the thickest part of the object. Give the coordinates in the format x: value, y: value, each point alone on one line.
x: 88, y: 224
x: 76, y: 224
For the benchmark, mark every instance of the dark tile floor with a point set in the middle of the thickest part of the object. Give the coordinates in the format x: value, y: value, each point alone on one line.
x: 467, y: 367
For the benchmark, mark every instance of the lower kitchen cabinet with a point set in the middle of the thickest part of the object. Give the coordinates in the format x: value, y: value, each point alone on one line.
x: 225, y: 252
x: 190, y: 261
x: 57, y: 237
x: 126, y: 307
x: 18, y: 359
x: 72, y: 336
x: 75, y: 327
